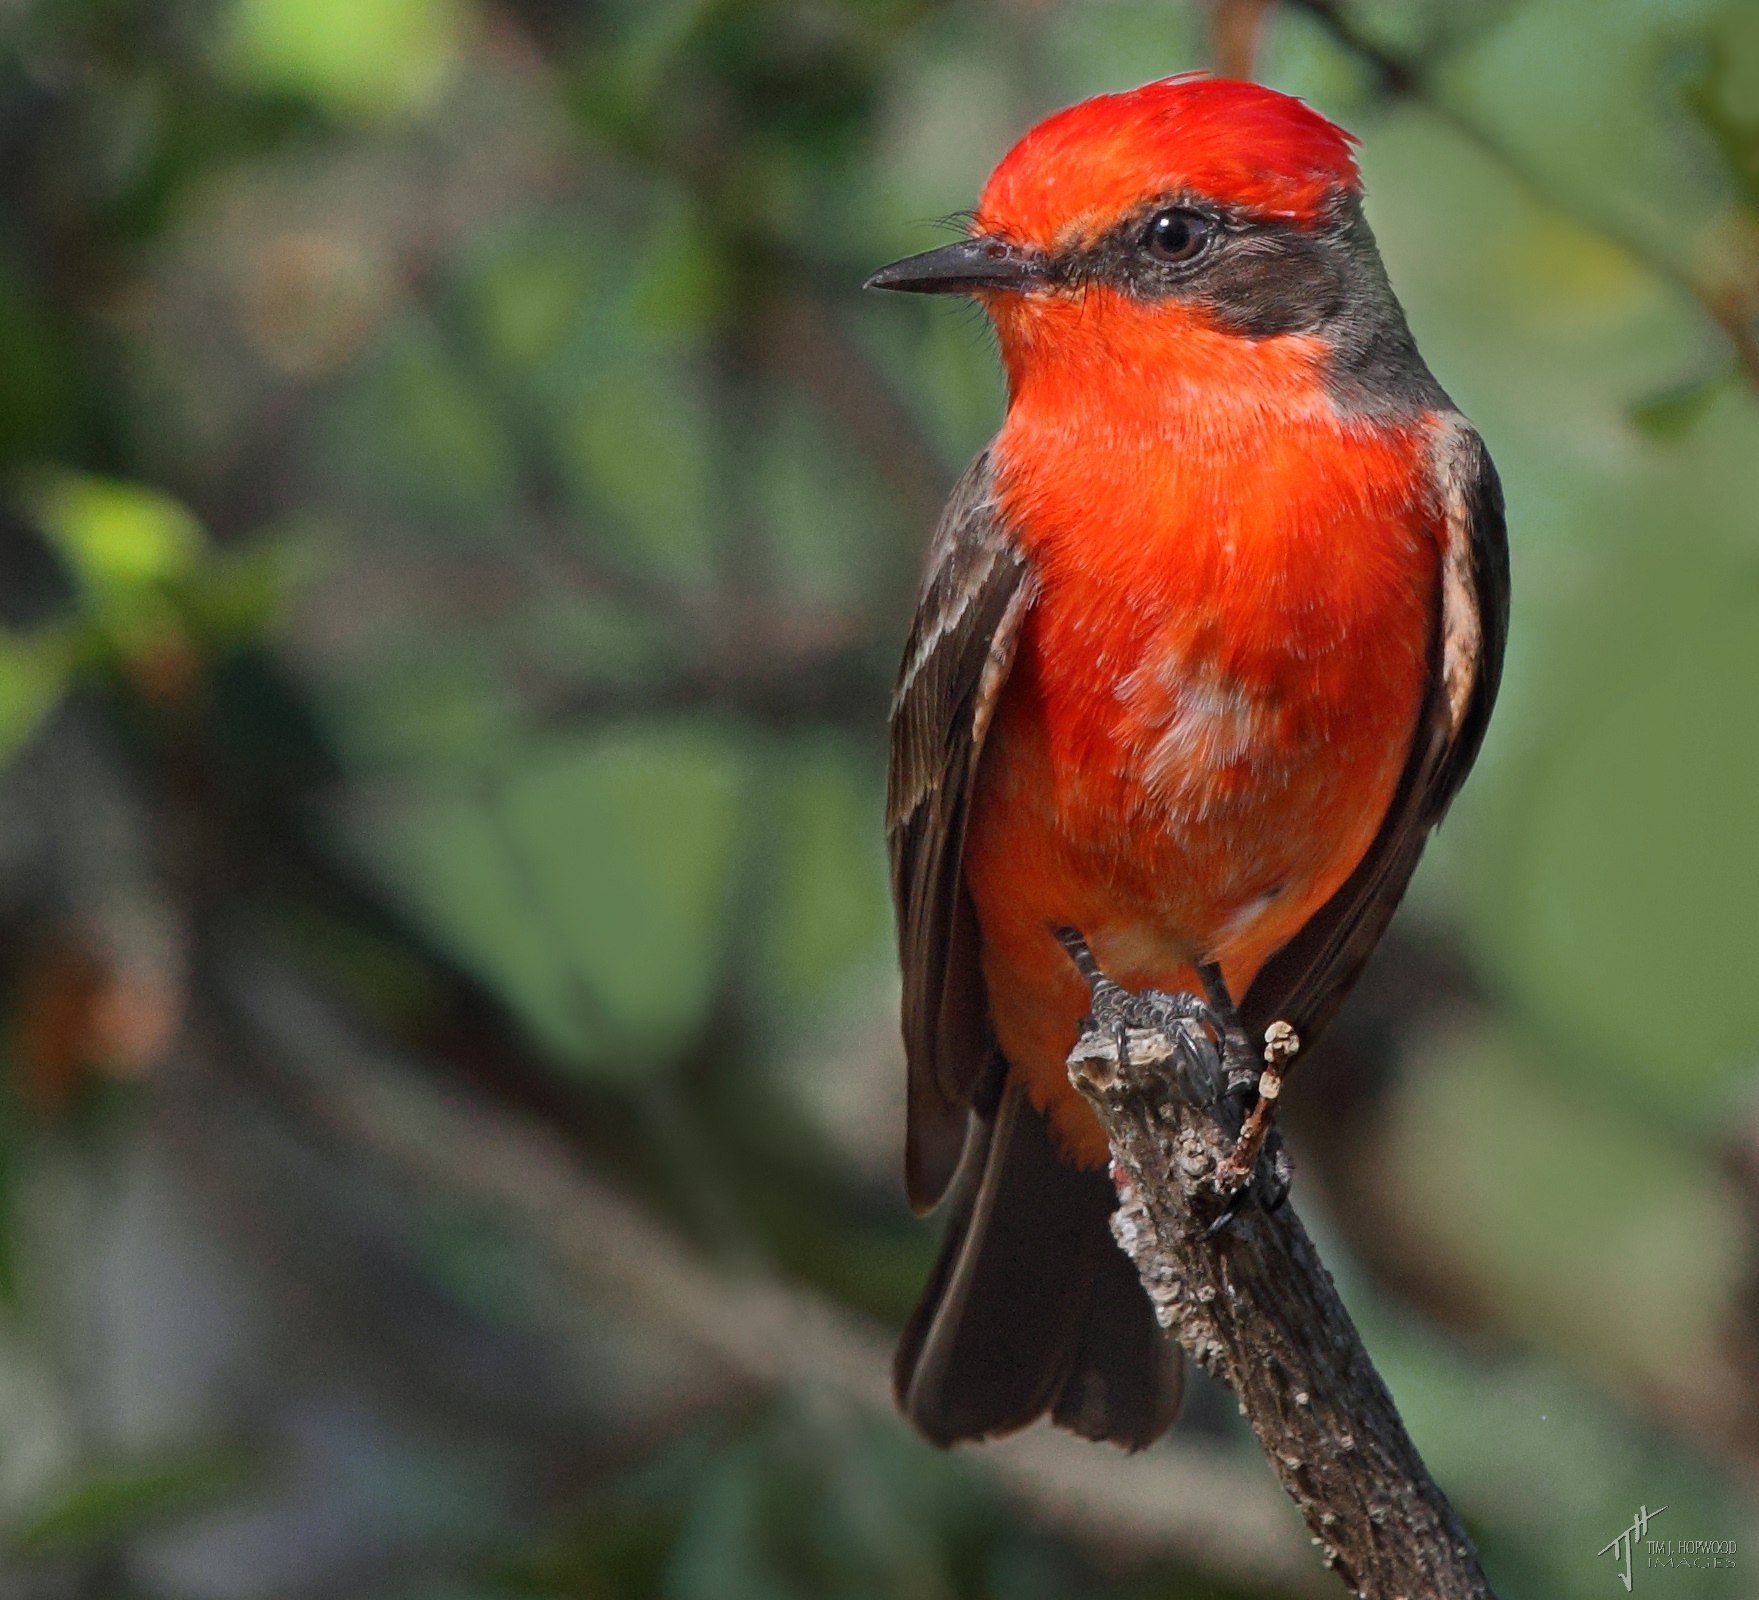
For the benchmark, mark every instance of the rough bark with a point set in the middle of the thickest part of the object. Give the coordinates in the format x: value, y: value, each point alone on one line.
x: 1255, y: 1307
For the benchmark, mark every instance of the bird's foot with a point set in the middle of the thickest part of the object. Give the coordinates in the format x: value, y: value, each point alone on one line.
x: 1195, y: 1029
x: 1213, y: 1069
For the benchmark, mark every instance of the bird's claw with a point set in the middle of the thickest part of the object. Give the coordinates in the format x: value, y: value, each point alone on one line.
x: 1217, y: 1073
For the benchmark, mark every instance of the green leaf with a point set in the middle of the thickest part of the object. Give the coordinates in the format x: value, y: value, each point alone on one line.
x: 119, y: 538
x: 1632, y: 873
x: 148, y: 576
x: 530, y: 297
x: 591, y: 888
x: 1562, y: 1233
x: 354, y: 58
x: 830, y: 905
x: 117, y: 1501
x: 34, y: 670
x: 1713, y: 98
x: 239, y: 594
x: 417, y: 433
x: 859, y: 1511
x: 1669, y: 414
x: 37, y: 397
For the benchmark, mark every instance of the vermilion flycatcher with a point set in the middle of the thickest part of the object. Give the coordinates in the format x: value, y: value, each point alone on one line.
x: 1208, y: 640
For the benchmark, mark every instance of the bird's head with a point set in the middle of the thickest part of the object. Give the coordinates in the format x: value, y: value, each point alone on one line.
x: 1193, y: 209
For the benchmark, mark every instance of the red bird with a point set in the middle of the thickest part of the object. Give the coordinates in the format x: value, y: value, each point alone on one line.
x: 1208, y: 641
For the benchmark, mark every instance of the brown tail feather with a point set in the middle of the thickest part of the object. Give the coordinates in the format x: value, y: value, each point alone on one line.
x: 1033, y: 1308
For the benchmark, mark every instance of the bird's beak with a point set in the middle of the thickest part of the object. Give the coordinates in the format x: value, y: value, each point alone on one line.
x: 960, y: 268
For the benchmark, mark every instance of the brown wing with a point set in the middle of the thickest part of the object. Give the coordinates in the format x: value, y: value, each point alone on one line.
x: 961, y: 646
x: 1306, y: 981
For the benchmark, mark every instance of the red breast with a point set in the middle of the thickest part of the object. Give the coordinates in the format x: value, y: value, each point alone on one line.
x: 1217, y: 686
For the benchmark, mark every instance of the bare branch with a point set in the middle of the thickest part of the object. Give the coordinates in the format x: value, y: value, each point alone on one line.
x: 1236, y: 29
x: 1255, y: 1307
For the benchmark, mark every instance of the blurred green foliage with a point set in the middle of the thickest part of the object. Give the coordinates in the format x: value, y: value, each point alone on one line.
x: 111, y: 1504
x: 448, y: 462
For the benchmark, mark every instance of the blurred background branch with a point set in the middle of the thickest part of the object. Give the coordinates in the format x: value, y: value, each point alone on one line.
x: 1191, y: 1499
x: 1728, y: 298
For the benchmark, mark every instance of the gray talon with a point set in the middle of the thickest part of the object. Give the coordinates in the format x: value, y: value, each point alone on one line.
x: 1218, y: 1073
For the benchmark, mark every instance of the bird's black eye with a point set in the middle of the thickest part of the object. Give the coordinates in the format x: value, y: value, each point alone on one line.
x: 1179, y: 234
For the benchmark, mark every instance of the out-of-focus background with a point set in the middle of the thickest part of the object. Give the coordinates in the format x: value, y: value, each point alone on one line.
x: 458, y: 519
